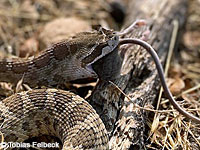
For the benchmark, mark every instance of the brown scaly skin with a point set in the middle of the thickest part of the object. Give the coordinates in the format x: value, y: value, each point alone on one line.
x: 56, y: 112
x: 52, y: 112
x: 65, y: 61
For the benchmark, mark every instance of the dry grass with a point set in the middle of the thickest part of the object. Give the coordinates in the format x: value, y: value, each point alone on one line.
x: 22, y: 21
x: 172, y: 131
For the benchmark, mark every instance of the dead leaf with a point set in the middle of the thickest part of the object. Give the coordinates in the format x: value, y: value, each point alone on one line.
x: 177, y: 86
x: 6, y: 89
x: 29, y: 48
x: 192, y: 39
x: 19, y: 86
x: 28, y: 9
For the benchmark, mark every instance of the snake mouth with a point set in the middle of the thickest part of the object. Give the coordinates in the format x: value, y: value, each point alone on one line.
x: 101, y: 50
x: 90, y: 68
x: 108, y: 67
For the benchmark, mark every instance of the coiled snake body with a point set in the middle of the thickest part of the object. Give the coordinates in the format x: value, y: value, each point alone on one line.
x: 50, y: 111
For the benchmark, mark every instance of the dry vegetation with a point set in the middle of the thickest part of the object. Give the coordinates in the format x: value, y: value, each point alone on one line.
x: 170, y: 130
x: 28, y: 26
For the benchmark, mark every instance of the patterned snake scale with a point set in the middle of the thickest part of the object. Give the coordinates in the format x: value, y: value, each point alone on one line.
x: 50, y: 111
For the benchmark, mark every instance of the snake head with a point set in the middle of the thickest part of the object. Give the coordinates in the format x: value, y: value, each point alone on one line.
x: 93, y: 46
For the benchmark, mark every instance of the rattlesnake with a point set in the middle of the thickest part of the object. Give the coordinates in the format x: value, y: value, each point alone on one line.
x: 56, y: 112
x: 52, y: 112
